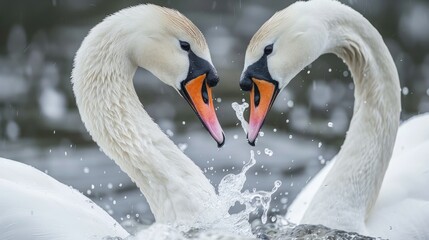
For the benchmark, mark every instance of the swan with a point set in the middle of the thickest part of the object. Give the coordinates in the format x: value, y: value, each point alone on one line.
x: 349, y: 194
x: 163, y: 41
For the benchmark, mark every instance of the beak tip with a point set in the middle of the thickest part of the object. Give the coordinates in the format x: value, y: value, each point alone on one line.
x: 222, y: 142
x: 251, y: 142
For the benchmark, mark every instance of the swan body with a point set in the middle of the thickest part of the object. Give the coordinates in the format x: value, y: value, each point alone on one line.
x: 36, y: 206
x: 399, y: 195
x: 358, y: 191
x: 163, y: 41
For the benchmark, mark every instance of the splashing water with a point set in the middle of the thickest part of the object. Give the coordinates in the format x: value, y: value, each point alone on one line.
x: 239, y: 110
x: 230, y: 193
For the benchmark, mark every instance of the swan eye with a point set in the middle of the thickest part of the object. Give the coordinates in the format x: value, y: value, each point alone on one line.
x: 185, y: 46
x: 268, y: 49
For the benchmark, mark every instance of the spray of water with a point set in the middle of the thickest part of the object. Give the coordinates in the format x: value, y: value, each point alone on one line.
x: 230, y: 193
x: 239, y: 111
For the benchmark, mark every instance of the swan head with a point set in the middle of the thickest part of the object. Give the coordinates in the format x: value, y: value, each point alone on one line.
x: 290, y: 40
x: 170, y: 46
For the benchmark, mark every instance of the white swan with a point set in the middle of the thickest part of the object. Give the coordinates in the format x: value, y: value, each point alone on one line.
x: 163, y: 41
x: 351, y: 195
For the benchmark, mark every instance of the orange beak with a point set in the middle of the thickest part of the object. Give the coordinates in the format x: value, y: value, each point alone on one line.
x: 262, y: 96
x: 199, y: 95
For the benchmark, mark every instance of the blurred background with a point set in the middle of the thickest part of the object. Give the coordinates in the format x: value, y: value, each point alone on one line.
x: 40, y: 125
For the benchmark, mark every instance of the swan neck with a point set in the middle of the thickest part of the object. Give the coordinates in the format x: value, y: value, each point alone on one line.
x: 351, y: 187
x: 175, y: 188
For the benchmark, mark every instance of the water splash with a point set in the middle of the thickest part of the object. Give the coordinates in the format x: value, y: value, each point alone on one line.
x: 230, y: 192
x: 216, y: 217
x: 239, y: 111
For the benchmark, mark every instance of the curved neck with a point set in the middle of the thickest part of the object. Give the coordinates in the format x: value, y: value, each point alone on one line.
x: 351, y: 187
x: 174, y: 186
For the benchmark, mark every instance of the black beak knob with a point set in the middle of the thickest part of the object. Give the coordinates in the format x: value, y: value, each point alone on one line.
x: 212, y: 78
x: 246, y: 82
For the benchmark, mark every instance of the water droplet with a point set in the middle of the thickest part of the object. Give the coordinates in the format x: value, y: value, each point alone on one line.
x: 346, y: 73
x: 268, y: 152
x: 182, y: 146
x: 12, y: 130
x: 330, y: 70
x: 320, y: 144
x: 65, y: 153
x: 219, y: 100
x: 109, y: 186
x: 114, y: 202
x: 405, y: 91
x: 290, y: 136
x: 275, y: 130
x: 92, y: 186
x: 235, y: 136
x: 290, y: 103
x: 183, y: 123
x: 321, y: 159
x: 86, y: 170
x: 330, y: 124
x: 261, y: 134
x: 169, y: 133
x: 88, y: 192
x: 308, y: 72
x: 239, y: 111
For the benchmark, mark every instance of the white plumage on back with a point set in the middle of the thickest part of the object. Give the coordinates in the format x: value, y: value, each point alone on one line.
x: 35, y: 206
